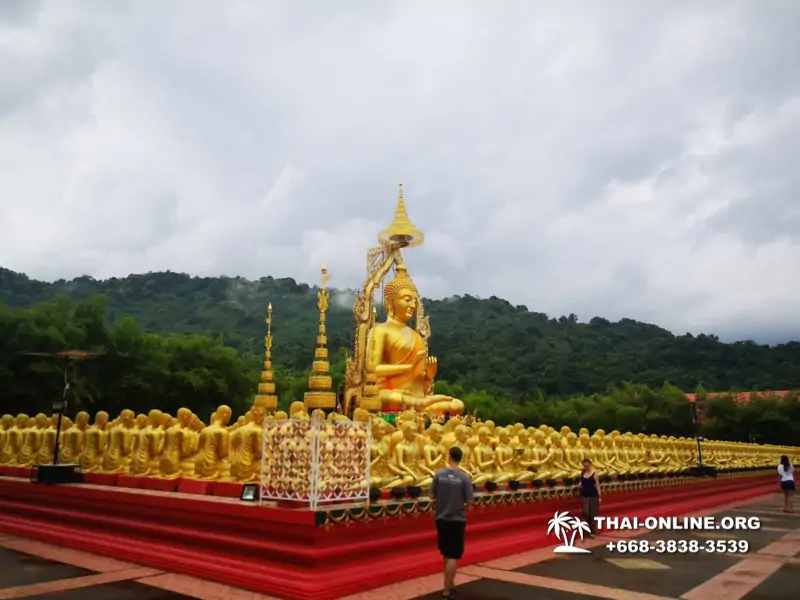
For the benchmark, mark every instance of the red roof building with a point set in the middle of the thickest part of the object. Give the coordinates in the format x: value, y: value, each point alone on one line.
x: 740, y: 397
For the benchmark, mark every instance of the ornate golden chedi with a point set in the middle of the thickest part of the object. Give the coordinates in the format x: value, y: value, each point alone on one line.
x: 391, y: 370
x: 320, y: 382
x: 266, y: 388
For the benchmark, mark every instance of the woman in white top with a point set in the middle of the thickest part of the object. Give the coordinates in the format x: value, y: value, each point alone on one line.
x: 786, y: 473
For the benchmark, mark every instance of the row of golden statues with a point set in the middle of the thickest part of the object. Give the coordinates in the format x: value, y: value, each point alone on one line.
x: 407, y: 454
x: 390, y: 371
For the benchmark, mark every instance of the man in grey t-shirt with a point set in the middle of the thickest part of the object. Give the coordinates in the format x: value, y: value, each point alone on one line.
x: 452, y: 490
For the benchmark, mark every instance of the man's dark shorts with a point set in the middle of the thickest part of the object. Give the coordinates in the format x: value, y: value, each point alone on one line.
x: 451, y: 538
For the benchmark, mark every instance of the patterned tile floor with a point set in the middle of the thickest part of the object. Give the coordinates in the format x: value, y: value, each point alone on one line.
x: 769, y: 570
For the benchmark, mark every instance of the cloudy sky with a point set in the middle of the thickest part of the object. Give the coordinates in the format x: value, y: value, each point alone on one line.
x: 638, y: 160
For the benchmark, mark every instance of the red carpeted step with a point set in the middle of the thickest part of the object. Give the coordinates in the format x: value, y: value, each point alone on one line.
x: 215, y: 545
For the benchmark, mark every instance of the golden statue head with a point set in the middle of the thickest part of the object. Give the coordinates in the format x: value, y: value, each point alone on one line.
x: 154, y: 417
x: 184, y: 416
x: 82, y: 419
x: 8, y: 421
x: 222, y: 416
x: 259, y: 410
x: 400, y: 295
x: 101, y: 419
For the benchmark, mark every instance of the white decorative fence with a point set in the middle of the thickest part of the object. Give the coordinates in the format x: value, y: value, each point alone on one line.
x: 315, y: 461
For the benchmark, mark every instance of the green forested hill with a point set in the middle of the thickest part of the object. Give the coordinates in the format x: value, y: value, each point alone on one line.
x: 482, y: 344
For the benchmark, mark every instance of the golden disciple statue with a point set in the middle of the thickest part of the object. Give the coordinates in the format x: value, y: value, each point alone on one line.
x: 247, y: 449
x: 148, y: 446
x: 33, y: 435
x: 397, y: 354
x: 177, y: 445
x: 15, y: 440
x: 214, y: 446
x: 94, y: 444
x: 121, y: 439
x: 6, y: 423
x: 74, y: 438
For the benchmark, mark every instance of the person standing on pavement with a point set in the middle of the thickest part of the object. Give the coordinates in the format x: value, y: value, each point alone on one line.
x: 590, y: 495
x: 786, y: 473
x: 452, y: 490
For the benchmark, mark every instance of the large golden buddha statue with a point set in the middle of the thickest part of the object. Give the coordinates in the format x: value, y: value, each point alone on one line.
x: 397, y: 354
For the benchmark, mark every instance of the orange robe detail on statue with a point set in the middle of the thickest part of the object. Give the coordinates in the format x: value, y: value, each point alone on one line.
x: 408, y: 345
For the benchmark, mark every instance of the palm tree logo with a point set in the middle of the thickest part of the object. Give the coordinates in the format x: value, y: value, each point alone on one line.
x: 561, y: 525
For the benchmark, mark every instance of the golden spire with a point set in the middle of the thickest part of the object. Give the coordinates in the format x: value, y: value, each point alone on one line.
x: 402, y: 230
x: 320, y: 383
x: 266, y: 388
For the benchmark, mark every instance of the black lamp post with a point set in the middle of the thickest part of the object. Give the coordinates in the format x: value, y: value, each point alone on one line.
x: 70, y: 358
x: 696, y: 423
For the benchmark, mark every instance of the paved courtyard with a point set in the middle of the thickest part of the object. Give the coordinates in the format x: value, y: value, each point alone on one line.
x: 769, y: 570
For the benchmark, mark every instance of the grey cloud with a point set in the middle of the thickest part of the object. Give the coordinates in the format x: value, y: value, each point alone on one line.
x: 634, y: 160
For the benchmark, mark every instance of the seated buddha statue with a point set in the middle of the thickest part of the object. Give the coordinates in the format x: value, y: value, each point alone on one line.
x: 635, y: 455
x: 461, y: 439
x: 397, y: 355
x: 297, y: 410
x: 554, y: 466
x: 47, y: 447
x: 672, y: 450
x: 6, y: 423
x: 407, y: 416
x: 74, y: 439
x: 573, y: 454
x: 148, y: 446
x: 214, y: 445
x: 433, y: 454
x: 449, y: 429
x: 245, y: 459
x: 522, y: 458
x: 687, y: 452
x: 178, y: 445
x: 564, y: 433
x: 504, y: 456
x: 120, y: 442
x: 592, y: 452
x: 405, y: 463
x: 141, y: 422
x: 15, y: 438
x: 94, y: 444
x: 484, y: 466
x: 379, y: 473
x: 606, y: 454
x: 660, y: 458
x: 32, y: 441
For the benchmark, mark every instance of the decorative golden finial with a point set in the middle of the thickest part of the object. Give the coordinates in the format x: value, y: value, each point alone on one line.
x: 325, y: 277
x: 320, y: 383
x: 401, y: 231
x: 266, y: 388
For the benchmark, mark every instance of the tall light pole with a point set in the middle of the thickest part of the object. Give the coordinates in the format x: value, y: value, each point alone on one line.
x: 70, y: 358
x: 696, y: 423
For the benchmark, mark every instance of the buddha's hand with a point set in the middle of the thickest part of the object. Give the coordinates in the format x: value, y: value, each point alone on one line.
x: 433, y: 367
x: 421, y: 355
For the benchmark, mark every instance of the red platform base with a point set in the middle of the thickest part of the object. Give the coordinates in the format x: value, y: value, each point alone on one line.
x: 286, y: 553
x: 21, y: 472
x: 227, y: 489
x: 194, y: 486
x: 100, y: 479
x: 161, y: 485
x: 131, y: 482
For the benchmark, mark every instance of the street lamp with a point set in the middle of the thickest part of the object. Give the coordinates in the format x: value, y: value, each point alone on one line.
x: 52, y: 473
x: 696, y: 423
